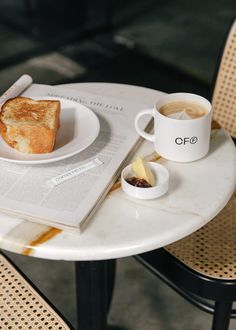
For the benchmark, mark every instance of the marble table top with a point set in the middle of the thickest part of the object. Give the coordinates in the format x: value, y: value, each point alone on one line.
x: 124, y: 226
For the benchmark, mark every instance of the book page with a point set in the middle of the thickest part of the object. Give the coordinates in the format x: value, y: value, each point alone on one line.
x: 64, y: 193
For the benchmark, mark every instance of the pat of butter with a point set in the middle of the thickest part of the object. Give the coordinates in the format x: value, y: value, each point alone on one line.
x: 142, y: 171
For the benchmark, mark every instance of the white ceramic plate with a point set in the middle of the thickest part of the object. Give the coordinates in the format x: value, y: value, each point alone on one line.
x: 79, y: 128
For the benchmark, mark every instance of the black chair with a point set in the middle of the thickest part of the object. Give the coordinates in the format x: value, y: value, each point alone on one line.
x: 202, y: 266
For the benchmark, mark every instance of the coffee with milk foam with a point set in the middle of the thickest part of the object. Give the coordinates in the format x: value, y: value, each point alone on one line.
x: 183, y: 110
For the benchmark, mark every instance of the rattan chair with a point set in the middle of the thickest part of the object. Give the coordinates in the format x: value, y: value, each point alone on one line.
x: 21, y: 305
x: 202, y: 266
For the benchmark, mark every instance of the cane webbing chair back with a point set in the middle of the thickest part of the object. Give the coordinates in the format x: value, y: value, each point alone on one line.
x: 211, y: 250
x: 21, y: 306
x: 224, y: 96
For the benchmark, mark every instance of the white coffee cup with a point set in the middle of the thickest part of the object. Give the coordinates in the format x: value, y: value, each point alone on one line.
x: 177, y: 139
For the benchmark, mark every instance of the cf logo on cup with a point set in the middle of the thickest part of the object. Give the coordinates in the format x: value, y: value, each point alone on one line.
x: 186, y: 140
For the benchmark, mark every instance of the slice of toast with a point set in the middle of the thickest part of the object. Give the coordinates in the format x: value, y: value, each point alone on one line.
x: 30, y: 126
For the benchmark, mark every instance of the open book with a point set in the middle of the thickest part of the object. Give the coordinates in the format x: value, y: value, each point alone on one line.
x: 80, y: 182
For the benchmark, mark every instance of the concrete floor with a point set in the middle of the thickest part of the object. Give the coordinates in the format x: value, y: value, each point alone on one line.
x: 170, y: 46
x: 140, y: 302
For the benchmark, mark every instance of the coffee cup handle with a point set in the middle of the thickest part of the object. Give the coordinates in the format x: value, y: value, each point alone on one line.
x: 145, y: 135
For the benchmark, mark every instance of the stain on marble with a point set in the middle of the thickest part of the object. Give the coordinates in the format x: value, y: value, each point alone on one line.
x: 115, y: 186
x: 215, y: 125
x: 44, y: 237
x: 154, y: 157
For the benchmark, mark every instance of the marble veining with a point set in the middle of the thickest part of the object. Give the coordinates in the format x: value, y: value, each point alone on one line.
x: 125, y: 226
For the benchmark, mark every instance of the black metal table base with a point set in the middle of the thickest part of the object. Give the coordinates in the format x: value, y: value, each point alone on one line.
x: 222, y: 315
x: 95, y: 282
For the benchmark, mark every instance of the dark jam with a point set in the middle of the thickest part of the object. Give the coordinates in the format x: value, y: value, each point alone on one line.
x: 141, y: 183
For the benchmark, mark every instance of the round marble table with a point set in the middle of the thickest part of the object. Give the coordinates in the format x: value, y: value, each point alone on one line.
x: 124, y: 226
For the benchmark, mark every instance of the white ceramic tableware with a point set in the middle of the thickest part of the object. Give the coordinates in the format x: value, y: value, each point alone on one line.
x: 161, y: 175
x: 175, y: 139
x: 79, y: 127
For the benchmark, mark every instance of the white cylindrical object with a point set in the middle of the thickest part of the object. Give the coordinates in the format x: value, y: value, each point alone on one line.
x: 17, y: 88
x: 161, y: 186
x: 175, y: 139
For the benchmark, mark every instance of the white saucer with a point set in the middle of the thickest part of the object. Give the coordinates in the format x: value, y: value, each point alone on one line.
x: 161, y: 175
x: 78, y: 130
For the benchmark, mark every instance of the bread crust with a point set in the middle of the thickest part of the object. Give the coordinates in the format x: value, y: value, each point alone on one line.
x: 29, y: 133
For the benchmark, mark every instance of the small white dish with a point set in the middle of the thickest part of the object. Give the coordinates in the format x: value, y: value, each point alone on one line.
x: 79, y: 128
x: 161, y: 175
